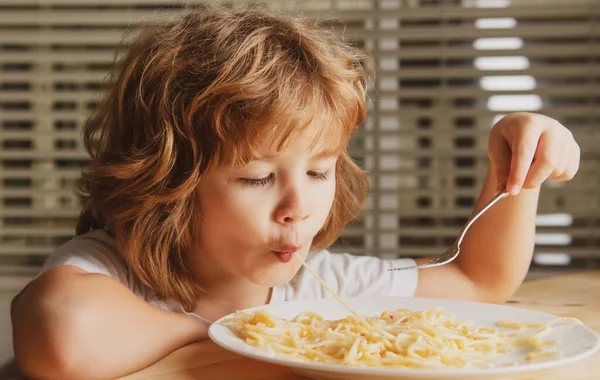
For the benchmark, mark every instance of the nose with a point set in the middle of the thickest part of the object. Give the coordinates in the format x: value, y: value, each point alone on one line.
x: 292, y: 208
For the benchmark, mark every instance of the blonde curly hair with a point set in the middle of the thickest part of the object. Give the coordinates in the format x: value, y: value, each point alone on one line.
x: 201, y: 92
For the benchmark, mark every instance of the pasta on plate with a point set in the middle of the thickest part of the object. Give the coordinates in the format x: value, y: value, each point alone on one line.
x: 403, y: 338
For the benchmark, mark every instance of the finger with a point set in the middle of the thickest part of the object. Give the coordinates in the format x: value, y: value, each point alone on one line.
x: 571, y: 166
x: 521, y: 160
x: 499, y: 153
x: 574, y: 162
x: 546, y: 158
x: 561, y: 164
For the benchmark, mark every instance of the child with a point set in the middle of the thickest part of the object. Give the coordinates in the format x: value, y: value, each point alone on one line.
x: 222, y: 132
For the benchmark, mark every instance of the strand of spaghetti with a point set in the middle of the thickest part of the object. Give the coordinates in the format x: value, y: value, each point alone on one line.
x: 296, y: 236
x: 324, y: 285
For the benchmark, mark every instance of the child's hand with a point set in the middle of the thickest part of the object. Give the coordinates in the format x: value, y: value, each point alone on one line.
x: 526, y: 148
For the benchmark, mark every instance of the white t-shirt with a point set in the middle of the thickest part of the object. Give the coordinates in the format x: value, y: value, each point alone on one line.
x: 347, y: 275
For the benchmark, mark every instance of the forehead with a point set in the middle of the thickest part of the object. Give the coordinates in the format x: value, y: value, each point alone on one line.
x: 316, y: 133
x: 318, y: 139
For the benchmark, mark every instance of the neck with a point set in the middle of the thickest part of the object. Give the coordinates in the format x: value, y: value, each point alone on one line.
x: 219, y: 301
x: 225, y: 293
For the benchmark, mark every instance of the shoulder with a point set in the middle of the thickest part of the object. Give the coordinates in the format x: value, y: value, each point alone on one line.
x: 95, y: 252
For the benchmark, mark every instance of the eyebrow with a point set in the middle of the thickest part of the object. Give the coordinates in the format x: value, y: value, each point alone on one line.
x: 315, y: 156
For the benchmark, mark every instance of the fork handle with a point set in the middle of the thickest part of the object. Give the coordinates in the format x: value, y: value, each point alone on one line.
x: 473, y: 218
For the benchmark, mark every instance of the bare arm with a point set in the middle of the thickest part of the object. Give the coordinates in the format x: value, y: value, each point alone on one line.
x: 525, y: 149
x: 495, y: 254
x: 69, y: 324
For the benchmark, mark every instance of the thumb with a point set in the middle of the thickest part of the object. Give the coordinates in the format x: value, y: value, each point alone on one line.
x: 500, y: 159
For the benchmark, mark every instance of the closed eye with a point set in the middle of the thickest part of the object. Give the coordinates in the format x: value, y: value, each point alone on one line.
x: 257, y: 182
x: 323, y: 176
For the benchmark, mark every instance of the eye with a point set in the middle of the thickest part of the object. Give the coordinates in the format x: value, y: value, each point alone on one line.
x: 257, y: 182
x: 322, y: 176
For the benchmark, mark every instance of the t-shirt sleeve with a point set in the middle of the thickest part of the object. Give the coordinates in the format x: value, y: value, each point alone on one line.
x: 94, y: 252
x: 354, y: 276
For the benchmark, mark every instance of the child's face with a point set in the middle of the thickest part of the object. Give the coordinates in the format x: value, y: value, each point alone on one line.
x: 247, y: 212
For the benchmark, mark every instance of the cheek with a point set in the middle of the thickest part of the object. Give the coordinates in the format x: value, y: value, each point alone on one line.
x: 323, y: 201
x: 228, y: 219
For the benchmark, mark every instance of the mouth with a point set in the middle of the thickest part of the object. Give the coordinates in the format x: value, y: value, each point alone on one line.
x: 285, y: 253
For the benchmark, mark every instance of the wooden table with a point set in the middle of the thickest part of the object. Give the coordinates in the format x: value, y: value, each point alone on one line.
x: 575, y: 295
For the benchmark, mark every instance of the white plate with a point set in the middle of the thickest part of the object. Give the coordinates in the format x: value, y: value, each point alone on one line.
x: 575, y: 341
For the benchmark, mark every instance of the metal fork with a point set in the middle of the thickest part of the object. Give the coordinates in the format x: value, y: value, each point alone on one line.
x: 452, y: 252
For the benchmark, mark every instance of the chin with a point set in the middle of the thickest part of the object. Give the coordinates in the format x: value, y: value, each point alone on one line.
x: 271, y: 279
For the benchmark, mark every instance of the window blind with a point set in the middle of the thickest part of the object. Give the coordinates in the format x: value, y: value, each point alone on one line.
x: 446, y: 70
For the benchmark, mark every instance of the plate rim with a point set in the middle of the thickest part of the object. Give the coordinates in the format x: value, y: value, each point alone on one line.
x: 442, y: 372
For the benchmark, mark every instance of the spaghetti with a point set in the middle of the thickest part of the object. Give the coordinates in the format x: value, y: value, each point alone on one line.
x: 402, y: 338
